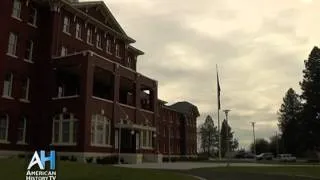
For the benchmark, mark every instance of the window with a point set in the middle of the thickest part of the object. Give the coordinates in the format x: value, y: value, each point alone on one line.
x: 100, y: 130
x: 12, y: 45
x: 129, y: 61
x: 108, y: 46
x: 66, y: 25
x: 29, y: 51
x: 117, y: 50
x: 4, y: 128
x: 98, y: 41
x: 7, y: 85
x: 22, y: 130
x: 78, y: 31
x: 65, y: 129
x: 25, y: 88
x: 89, y: 36
x: 16, y: 11
x: 33, y: 16
x: 64, y: 51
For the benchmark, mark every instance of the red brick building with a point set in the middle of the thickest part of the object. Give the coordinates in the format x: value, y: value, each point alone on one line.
x: 68, y: 80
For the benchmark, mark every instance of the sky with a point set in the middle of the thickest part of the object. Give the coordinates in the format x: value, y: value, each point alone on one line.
x: 259, y: 46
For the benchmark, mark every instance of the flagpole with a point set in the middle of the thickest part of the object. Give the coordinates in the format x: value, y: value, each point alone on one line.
x: 218, y: 107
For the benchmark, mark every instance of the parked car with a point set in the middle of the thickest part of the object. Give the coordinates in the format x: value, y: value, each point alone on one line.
x: 249, y: 155
x: 264, y: 156
x: 286, y: 158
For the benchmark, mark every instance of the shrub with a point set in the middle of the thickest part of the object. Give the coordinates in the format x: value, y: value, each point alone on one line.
x: 73, y: 158
x: 64, y: 158
x: 107, y: 160
x: 89, y: 159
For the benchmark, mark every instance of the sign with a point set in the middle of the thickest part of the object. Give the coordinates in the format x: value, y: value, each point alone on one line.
x: 37, y: 169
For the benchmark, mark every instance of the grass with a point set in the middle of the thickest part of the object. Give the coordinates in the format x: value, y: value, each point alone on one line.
x: 15, y: 169
x: 308, y: 171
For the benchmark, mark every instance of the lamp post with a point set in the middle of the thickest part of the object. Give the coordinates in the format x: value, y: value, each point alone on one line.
x: 226, y: 111
x: 119, y: 138
x: 254, y: 138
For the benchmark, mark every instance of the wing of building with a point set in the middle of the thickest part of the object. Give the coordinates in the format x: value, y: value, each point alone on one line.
x: 68, y: 81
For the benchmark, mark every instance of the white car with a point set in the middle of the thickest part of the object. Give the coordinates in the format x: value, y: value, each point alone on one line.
x: 286, y: 158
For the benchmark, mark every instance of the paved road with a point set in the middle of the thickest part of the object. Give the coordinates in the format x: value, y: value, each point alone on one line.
x: 193, y: 165
x: 209, y: 175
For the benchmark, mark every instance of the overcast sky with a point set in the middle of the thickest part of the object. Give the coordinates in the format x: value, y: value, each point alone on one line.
x: 259, y: 45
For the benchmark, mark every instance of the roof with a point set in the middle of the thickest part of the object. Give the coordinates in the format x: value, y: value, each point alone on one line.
x: 186, y: 108
x: 104, y: 10
x: 136, y: 50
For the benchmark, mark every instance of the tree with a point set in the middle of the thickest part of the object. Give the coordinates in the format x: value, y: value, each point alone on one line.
x: 262, y: 146
x: 276, y: 145
x: 209, y: 136
x: 227, y: 141
x: 310, y: 86
x: 290, y: 121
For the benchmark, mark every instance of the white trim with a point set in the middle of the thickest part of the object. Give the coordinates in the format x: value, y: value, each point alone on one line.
x: 16, y: 18
x: 12, y: 55
x: 23, y: 142
x: 5, y: 140
x: 32, y: 25
x: 65, y: 97
x: 35, y: 15
x: 66, y: 25
x: 12, y: 41
x: 28, y: 61
x: 72, y: 121
x: 8, y: 94
x: 98, y: 120
x: 101, y: 99
x: 30, y: 51
x: 24, y: 100
x: 7, y: 97
x: 78, y: 33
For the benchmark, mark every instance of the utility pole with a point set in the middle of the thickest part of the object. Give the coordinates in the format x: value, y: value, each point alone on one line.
x: 226, y: 111
x: 254, y: 138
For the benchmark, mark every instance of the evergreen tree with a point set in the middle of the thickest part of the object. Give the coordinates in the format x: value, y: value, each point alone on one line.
x: 209, y: 136
x: 289, y: 121
x: 310, y: 86
x: 262, y: 146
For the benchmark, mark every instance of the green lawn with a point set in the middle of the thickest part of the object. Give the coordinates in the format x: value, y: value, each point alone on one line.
x: 309, y: 171
x: 15, y: 169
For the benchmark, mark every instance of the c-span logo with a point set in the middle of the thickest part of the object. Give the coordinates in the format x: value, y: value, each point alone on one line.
x: 40, y: 163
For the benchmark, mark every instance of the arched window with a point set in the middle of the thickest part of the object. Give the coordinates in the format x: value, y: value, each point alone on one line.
x: 22, y: 130
x: 4, y: 127
x: 65, y: 129
x: 100, y: 130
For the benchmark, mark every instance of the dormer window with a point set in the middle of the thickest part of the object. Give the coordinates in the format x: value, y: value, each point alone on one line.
x: 118, y: 50
x: 78, y: 31
x: 16, y: 10
x: 32, y: 16
x: 89, y: 36
x: 98, y: 41
x: 129, y: 62
x: 66, y: 25
x: 108, y: 46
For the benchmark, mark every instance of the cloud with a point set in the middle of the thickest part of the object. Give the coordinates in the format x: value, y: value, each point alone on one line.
x: 259, y: 47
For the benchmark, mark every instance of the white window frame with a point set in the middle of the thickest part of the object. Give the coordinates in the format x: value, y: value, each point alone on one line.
x: 16, y: 9
x: 72, y: 121
x: 30, y: 51
x: 6, y: 129
x: 96, y: 120
x: 12, y: 44
x: 99, y: 41
x: 89, y: 36
x: 78, y: 31
x: 7, y: 92
x: 129, y: 62
x: 118, y: 50
x: 34, y: 14
x: 109, y: 46
x: 66, y: 25
x: 146, y: 139
x: 24, y: 130
x: 26, y: 98
x: 64, y: 51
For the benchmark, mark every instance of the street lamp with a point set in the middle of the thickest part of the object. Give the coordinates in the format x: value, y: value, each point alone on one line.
x: 226, y: 111
x: 119, y: 138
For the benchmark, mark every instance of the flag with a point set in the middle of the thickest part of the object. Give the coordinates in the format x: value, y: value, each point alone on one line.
x: 218, y: 89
